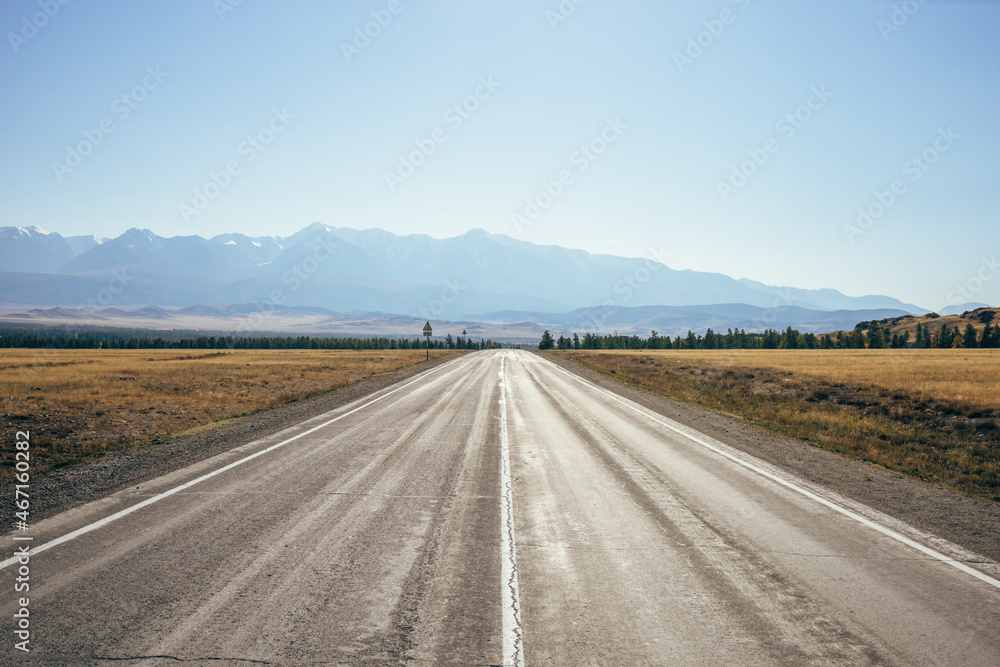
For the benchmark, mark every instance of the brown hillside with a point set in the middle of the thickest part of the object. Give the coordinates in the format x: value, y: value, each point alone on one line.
x: 978, y: 318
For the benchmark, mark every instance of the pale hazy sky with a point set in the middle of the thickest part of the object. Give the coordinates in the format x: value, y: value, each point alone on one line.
x: 824, y: 105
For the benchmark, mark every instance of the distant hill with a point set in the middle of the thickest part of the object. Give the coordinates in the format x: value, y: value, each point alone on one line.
x: 678, y: 320
x: 240, y: 319
x: 962, y: 308
x: 830, y: 299
x: 356, y: 271
x: 977, y: 317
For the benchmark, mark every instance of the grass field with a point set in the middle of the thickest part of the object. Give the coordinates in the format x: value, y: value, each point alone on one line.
x: 80, y: 403
x: 933, y: 414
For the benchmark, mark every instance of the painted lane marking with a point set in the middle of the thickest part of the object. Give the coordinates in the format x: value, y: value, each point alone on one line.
x: 166, y: 494
x: 698, y: 438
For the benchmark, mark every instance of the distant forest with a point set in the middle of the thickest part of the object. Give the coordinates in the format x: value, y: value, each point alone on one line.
x: 131, y: 339
x: 866, y: 335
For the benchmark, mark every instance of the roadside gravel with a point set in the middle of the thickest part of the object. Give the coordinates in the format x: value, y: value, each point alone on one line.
x: 970, y: 522
x: 64, y: 488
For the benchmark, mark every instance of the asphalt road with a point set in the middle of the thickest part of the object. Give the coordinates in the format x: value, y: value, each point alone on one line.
x: 494, y: 510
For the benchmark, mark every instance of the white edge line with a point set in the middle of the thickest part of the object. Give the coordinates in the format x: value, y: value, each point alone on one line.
x: 149, y: 501
x: 790, y: 485
x: 513, y: 639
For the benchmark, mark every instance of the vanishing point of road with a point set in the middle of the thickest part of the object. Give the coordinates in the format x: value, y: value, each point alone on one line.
x: 496, y: 509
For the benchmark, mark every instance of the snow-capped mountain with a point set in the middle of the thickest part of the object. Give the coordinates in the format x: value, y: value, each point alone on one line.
x: 371, y: 270
x: 32, y: 250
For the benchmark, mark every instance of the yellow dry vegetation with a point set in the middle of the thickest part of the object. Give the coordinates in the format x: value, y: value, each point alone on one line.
x: 963, y: 377
x: 78, y: 403
x: 930, y: 413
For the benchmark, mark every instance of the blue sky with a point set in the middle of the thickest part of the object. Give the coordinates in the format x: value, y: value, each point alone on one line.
x: 740, y: 136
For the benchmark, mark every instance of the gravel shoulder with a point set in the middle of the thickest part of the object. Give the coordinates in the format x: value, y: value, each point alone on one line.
x: 972, y: 523
x: 65, y: 488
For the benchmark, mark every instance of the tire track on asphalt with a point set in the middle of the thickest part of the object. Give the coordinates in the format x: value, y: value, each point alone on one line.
x: 707, y: 443
x: 218, y: 471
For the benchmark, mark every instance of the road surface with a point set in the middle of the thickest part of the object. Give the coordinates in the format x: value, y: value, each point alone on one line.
x: 494, y: 510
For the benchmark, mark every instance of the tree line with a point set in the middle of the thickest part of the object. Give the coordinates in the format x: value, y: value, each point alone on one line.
x: 872, y: 335
x: 116, y: 340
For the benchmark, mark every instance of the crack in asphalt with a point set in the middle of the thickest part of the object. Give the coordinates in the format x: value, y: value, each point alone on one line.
x: 175, y: 658
x: 513, y: 639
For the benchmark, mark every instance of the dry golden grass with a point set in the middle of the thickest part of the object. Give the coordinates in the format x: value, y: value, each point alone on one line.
x: 79, y: 403
x: 929, y: 413
x: 965, y: 377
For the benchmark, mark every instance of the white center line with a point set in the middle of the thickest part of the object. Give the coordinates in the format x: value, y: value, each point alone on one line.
x: 149, y: 501
x: 513, y: 640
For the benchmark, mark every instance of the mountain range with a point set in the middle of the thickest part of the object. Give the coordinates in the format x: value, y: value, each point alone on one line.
x: 475, y: 276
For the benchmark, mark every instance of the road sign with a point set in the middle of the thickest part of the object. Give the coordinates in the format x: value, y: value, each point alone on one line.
x: 427, y: 332
x: 427, y: 328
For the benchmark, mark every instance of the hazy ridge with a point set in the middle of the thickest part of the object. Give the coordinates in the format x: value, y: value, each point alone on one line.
x: 476, y: 276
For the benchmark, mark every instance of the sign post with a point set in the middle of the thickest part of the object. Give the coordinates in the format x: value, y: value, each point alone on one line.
x: 427, y: 332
